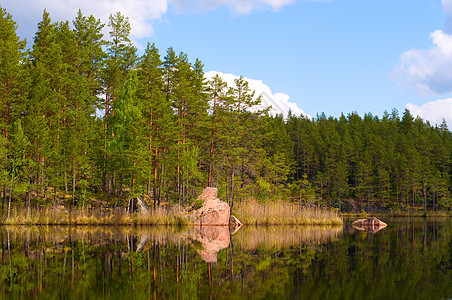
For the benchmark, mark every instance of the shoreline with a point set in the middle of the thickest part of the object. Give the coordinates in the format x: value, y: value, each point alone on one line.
x: 249, y: 212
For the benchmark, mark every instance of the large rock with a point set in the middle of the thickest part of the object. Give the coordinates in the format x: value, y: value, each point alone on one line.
x: 213, y: 211
x: 370, y: 224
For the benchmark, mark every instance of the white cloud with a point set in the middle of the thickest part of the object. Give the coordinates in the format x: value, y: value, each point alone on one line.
x: 434, y: 111
x: 279, y: 102
x: 447, y: 6
x: 237, y: 6
x: 429, y: 71
x: 142, y: 13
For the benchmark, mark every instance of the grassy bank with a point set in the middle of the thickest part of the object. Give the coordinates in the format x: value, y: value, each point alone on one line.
x: 248, y: 212
x: 118, y: 217
x: 283, y: 213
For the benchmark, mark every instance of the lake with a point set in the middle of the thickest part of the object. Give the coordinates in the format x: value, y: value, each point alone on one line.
x: 409, y: 259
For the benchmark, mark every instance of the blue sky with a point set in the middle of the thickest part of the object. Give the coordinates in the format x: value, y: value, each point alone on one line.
x: 334, y: 56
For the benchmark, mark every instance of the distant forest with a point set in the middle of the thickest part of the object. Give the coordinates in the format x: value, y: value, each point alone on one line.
x: 87, y: 121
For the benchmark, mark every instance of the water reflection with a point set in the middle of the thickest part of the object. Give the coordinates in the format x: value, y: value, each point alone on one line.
x: 212, y: 240
x: 368, y: 229
x: 409, y: 259
x: 207, y: 240
x: 371, y: 225
x: 252, y: 237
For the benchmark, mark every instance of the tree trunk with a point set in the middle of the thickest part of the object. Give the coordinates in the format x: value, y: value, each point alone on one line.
x: 134, y: 166
x: 397, y: 195
x: 5, y: 190
x: 27, y: 199
x: 425, y: 201
x: 73, y: 178
x: 232, y: 184
x: 368, y: 203
x: 211, y: 152
x: 243, y: 172
x: 10, y: 194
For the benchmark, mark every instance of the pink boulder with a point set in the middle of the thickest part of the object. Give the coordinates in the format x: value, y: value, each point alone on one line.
x: 213, y: 211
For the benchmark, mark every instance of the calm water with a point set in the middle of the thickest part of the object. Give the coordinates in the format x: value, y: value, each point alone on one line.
x: 410, y: 259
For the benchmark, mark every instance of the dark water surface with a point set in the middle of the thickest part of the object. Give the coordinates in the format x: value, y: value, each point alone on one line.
x: 409, y: 259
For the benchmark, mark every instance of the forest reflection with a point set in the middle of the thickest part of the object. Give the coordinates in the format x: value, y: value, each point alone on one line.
x: 409, y: 258
x: 207, y: 241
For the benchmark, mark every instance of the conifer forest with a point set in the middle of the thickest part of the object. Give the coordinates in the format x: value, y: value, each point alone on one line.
x: 87, y: 119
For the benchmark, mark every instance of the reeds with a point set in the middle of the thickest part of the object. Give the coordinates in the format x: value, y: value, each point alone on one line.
x: 281, y: 212
x: 248, y: 212
x: 49, y: 216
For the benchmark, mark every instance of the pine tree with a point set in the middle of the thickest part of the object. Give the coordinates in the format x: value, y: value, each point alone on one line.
x: 218, y: 96
x: 85, y: 99
x: 12, y: 86
x: 19, y: 164
x: 127, y: 127
x: 242, y: 127
x: 4, y: 178
x: 184, y: 89
x: 42, y: 104
x: 11, y: 73
x: 121, y: 58
x: 158, y: 117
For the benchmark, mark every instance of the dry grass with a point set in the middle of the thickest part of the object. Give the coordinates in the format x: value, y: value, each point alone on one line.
x: 49, y: 216
x: 253, y: 212
x: 248, y: 212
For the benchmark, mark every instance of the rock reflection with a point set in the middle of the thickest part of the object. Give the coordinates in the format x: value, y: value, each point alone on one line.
x: 371, y: 225
x: 368, y: 229
x: 212, y: 239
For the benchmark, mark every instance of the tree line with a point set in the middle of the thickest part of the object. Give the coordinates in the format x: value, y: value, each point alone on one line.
x: 87, y: 120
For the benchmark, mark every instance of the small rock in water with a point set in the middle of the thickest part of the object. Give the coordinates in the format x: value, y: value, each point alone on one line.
x: 371, y: 224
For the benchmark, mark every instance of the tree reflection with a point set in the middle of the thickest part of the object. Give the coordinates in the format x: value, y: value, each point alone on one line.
x: 408, y: 259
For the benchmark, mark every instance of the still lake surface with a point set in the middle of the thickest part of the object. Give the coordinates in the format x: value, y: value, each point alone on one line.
x: 409, y: 259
